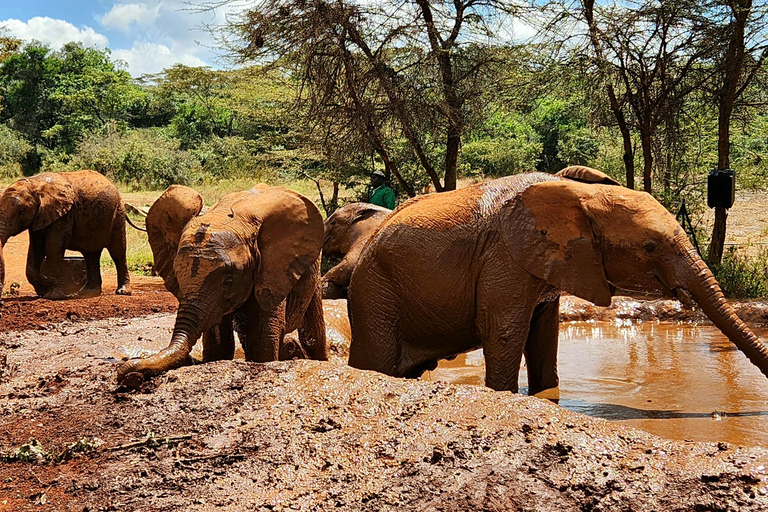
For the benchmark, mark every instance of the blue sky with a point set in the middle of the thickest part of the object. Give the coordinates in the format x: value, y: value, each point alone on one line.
x: 148, y: 35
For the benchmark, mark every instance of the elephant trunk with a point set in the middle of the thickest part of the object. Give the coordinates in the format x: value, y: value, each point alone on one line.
x: 707, y: 293
x: 2, y: 269
x: 186, y: 331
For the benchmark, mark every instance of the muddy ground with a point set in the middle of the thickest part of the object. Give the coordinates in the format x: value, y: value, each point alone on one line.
x: 304, y: 435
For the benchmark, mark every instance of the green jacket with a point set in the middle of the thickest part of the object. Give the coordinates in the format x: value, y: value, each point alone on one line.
x: 382, y: 196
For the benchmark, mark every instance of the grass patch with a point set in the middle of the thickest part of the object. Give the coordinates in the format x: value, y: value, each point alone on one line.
x: 743, y: 275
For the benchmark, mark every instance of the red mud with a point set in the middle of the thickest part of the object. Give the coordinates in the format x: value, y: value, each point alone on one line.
x: 26, y: 311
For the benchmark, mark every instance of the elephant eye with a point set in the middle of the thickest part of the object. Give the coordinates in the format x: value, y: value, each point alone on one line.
x: 227, y: 282
x: 650, y: 247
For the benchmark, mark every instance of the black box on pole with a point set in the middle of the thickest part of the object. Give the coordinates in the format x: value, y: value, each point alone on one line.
x: 721, y: 188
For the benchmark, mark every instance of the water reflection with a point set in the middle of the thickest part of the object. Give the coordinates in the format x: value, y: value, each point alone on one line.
x: 680, y: 381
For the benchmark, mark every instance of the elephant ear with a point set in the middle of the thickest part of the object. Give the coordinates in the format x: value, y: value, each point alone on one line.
x: 366, y: 211
x: 165, y: 221
x: 287, y: 243
x: 56, y: 196
x: 586, y: 174
x: 548, y: 232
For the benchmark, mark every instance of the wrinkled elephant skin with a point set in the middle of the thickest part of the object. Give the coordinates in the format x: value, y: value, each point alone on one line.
x: 79, y: 211
x: 484, y: 266
x: 250, y: 265
x: 346, y: 232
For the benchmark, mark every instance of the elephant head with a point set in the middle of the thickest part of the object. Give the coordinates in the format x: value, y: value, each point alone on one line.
x: 349, y: 224
x: 32, y: 203
x: 590, y: 239
x: 256, y: 243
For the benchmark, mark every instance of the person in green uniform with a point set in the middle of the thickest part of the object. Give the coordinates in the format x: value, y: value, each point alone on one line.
x: 380, y: 194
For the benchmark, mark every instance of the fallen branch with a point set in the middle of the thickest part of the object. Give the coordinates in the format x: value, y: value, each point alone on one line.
x: 150, y: 441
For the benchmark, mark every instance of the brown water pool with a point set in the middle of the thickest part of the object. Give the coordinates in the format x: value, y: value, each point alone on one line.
x: 678, y: 381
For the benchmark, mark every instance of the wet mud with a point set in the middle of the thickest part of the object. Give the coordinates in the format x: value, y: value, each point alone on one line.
x: 304, y: 435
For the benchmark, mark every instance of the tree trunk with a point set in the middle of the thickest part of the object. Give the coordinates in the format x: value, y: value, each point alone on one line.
x: 733, y: 67
x: 647, y: 145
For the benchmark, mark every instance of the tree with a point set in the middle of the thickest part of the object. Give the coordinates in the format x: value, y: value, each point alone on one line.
x: 649, y: 53
x: 51, y: 98
x: 374, y: 71
x: 737, y: 30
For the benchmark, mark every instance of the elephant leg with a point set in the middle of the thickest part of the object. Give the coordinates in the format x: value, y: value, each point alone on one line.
x: 219, y: 341
x: 55, y: 247
x: 117, y: 250
x: 264, y: 332
x: 374, y: 319
x: 312, y: 330
x: 92, y: 286
x: 35, y: 257
x: 541, y: 347
x: 505, y: 305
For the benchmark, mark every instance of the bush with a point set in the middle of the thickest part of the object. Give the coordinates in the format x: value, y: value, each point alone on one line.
x: 143, y: 158
x: 13, y: 150
x: 742, y: 276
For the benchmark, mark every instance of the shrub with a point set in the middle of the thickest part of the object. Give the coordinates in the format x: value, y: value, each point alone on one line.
x: 743, y: 276
x: 143, y: 158
x: 13, y: 150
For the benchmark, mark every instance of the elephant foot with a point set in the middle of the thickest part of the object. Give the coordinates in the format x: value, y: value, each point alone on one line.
x: 55, y: 294
x: 124, y: 290
x: 85, y: 293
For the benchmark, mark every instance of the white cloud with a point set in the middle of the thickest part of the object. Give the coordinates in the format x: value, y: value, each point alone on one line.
x: 146, y: 57
x: 54, y: 32
x: 123, y: 16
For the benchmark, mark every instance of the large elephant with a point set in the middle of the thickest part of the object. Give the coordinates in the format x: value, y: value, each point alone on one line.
x: 346, y: 232
x: 251, y: 264
x: 484, y: 266
x: 80, y: 211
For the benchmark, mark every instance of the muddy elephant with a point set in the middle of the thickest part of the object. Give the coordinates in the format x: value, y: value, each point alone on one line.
x: 484, y: 266
x: 250, y: 264
x: 346, y: 232
x: 80, y: 211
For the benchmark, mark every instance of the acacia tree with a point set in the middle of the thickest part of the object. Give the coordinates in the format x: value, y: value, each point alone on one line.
x: 737, y: 32
x: 379, y: 70
x: 649, y: 54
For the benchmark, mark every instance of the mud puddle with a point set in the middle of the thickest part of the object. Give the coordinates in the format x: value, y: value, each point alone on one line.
x: 674, y: 380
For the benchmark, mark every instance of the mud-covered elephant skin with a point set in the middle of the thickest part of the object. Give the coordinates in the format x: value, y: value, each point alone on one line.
x: 80, y: 211
x: 250, y: 265
x: 346, y: 232
x: 484, y: 266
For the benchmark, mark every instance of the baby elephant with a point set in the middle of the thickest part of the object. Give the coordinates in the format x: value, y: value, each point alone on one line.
x: 80, y: 211
x: 346, y: 233
x: 251, y: 264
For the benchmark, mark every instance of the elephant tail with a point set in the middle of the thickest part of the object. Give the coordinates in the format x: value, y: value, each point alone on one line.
x: 134, y: 226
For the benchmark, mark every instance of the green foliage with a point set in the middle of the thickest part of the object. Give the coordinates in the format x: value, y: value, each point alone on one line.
x: 52, y: 98
x: 194, y: 123
x: 506, y: 145
x: 565, y: 138
x: 145, y: 158
x: 13, y: 148
x: 742, y: 276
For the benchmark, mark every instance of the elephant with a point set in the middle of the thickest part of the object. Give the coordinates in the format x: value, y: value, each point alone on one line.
x: 346, y: 232
x: 250, y: 264
x: 80, y: 211
x: 484, y: 266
